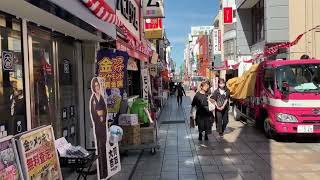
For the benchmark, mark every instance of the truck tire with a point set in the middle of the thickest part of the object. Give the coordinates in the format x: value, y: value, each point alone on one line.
x: 268, y: 131
x: 236, y: 113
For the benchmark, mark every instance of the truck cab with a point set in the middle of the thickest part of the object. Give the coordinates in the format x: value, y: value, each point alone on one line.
x: 287, y: 97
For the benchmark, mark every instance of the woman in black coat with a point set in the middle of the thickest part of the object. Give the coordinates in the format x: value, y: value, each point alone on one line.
x: 204, y: 117
x: 98, y: 110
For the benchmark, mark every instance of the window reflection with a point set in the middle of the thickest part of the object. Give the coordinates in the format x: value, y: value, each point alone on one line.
x: 12, y: 100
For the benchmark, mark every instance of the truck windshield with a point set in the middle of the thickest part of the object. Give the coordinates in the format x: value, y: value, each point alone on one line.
x: 300, y: 77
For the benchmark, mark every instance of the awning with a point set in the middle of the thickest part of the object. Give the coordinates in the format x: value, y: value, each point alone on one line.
x: 123, y: 46
x: 78, y: 9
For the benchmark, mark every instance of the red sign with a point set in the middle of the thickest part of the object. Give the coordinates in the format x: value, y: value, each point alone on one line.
x: 228, y: 15
x: 155, y: 23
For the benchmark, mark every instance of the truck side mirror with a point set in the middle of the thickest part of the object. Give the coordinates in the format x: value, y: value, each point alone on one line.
x: 285, y: 88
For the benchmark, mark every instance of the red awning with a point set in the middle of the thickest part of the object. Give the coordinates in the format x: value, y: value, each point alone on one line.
x: 123, y: 46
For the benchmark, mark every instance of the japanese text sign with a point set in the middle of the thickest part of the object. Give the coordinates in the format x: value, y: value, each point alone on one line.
x: 38, y: 154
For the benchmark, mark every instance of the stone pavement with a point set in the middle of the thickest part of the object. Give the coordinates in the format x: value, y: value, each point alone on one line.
x: 243, y: 153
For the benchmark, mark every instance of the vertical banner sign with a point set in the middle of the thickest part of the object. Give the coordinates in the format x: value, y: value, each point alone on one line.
x: 98, y: 114
x: 146, y: 86
x: 10, y: 168
x: 153, y: 9
x: 216, y: 41
x: 39, y: 159
x: 228, y: 15
x: 112, y: 67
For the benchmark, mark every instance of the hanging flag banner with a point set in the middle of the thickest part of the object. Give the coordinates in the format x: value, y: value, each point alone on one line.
x: 9, y: 165
x: 39, y: 158
x: 112, y: 67
x: 153, y: 9
x: 107, y: 165
x: 228, y: 15
x: 146, y: 85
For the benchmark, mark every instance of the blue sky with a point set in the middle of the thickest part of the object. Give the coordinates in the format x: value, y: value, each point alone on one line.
x: 180, y: 16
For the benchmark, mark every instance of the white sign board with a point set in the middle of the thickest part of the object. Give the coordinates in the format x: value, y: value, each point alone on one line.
x: 216, y: 41
x: 128, y: 12
x: 146, y: 82
x: 201, y: 30
x: 153, y: 9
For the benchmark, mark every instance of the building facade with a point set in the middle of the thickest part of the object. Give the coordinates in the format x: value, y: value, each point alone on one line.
x: 262, y: 24
x: 48, y: 58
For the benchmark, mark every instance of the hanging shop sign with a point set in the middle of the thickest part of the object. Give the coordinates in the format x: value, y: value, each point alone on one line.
x: 132, y: 65
x: 112, y: 67
x: 39, y: 158
x: 9, y: 165
x: 153, y: 70
x: 228, y: 15
x: 216, y: 41
x: 153, y: 28
x: 146, y: 82
x: 153, y: 9
x: 154, y: 58
x: 128, y: 12
x: 108, y: 162
x: 201, y: 30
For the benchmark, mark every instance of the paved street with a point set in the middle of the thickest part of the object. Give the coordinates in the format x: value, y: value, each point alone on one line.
x: 243, y: 153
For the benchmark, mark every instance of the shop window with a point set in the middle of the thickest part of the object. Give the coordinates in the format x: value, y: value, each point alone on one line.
x: 258, y: 33
x: 12, y: 99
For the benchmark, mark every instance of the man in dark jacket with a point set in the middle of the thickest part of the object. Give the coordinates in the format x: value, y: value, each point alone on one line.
x: 180, y: 93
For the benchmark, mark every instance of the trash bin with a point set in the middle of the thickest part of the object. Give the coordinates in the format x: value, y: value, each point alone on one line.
x: 138, y: 108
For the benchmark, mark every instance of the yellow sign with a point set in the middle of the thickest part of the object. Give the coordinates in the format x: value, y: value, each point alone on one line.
x: 154, y: 34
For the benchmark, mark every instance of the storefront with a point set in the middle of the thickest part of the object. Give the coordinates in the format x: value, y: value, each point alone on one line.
x: 47, y: 59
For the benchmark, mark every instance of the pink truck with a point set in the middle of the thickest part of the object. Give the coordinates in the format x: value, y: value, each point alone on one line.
x: 286, y: 98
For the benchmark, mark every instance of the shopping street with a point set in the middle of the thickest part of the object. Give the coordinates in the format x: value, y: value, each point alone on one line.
x: 243, y: 153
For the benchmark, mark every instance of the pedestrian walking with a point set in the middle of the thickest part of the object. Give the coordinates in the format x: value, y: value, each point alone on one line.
x: 221, y: 97
x: 203, y: 117
x: 180, y: 93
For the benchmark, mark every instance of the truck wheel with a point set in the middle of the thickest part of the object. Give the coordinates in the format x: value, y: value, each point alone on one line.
x: 236, y: 114
x: 268, y: 131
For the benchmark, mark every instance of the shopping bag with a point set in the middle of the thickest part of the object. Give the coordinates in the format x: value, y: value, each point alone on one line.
x: 211, y: 106
x: 192, y: 123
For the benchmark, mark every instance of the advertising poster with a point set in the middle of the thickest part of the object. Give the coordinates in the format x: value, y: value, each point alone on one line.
x: 98, y: 114
x: 10, y: 168
x: 39, y: 159
x: 112, y: 67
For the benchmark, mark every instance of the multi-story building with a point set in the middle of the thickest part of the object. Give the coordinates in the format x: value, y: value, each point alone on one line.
x: 264, y: 23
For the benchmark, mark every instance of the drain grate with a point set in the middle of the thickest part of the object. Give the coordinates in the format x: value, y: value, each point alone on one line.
x: 173, y: 122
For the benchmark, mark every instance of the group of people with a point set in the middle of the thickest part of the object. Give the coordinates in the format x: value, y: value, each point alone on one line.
x: 211, y: 105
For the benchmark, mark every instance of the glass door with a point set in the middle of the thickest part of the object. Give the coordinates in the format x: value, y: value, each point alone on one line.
x: 68, y: 88
x: 42, y: 78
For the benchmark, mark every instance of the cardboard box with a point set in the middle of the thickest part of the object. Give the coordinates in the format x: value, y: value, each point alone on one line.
x: 131, y: 135
x: 147, y: 135
x: 128, y: 120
